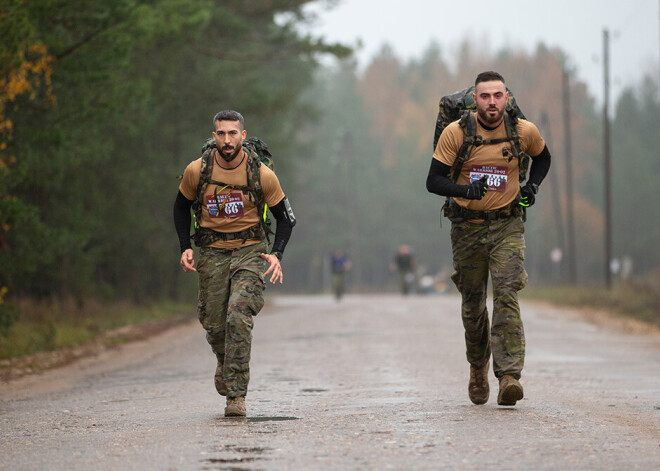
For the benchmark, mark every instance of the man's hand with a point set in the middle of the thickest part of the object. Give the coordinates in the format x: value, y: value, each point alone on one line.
x: 477, y: 189
x: 527, y: 195
x: 187, y: 261
x: 275, y: 267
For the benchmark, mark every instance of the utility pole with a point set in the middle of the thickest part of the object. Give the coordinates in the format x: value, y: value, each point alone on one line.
x: 608, y: 158
x: 572, y: 266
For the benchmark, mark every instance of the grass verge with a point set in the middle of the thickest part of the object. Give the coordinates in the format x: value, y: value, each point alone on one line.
x: 52, y: 333
x: 638, y: 299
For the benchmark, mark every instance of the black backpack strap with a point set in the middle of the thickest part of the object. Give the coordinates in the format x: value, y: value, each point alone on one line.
x: 470, y: 140
x: 205, y: 173
x: 511, y: 125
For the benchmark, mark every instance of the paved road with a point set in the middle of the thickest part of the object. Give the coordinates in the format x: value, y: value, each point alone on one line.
x: 372, y: 383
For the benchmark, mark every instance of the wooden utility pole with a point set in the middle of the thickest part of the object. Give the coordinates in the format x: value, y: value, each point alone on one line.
x: 608, y: 158
x: 570, y: 246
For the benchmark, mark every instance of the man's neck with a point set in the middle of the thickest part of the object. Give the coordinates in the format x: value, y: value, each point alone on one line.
x: 489, y: 127
x: 234, y: 163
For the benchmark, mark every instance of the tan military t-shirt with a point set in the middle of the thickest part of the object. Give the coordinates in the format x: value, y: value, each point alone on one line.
x: 495, y: 161
x: 237, y: 213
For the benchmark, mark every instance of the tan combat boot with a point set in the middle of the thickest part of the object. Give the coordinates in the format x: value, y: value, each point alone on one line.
x: 220, y: 385
x: 511, y: 391
x: 235, y: 407
x: 478, y: 389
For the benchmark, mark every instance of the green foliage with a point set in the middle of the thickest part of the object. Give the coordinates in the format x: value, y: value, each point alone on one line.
x: 86, y: 207
x: 8, y: 317
x: 635, y: 166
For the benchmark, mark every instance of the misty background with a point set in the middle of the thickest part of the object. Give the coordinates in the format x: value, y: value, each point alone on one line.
x: 103, y: 104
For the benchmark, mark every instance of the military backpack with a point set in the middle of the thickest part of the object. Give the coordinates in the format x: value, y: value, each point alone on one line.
x: 461, y: 106
x: 257, y: 155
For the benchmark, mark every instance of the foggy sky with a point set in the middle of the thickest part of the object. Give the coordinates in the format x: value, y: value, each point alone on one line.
x: 576, y: 26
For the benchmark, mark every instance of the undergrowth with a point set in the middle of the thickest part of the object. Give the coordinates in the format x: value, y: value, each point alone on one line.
x: 43, y: 326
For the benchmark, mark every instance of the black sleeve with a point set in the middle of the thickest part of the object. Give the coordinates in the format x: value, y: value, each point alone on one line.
x: 182, y: 220
x: 438, y: 181
x: 539, y: 167
x: 284, y: 228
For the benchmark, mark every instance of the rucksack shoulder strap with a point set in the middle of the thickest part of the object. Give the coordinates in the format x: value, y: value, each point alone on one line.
x: 511, y: 124
x: 470, y: 139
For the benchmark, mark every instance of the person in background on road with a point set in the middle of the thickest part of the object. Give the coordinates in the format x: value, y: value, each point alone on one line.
x: 234, y: 251
x: 339, y: 265
x: 404, y: 263
x: 487, y: 234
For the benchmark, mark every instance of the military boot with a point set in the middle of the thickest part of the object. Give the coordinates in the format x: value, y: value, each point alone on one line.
x: 220, y: 385
x: 235, y: 407
x: 478, y: 389
x: 511, y: 391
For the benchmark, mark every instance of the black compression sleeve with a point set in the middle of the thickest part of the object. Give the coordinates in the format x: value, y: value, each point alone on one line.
x: 284, y: 228
x: 539, y: 166
x: 438, y: 181
x: 182, y: 220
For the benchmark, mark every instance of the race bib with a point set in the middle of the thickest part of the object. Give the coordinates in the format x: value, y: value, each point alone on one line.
x: 497, y: 176
x: 227, y: 205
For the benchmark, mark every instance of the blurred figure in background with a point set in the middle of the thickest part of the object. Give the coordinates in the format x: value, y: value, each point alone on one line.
x: 404, y: 263
x: 339, y: 264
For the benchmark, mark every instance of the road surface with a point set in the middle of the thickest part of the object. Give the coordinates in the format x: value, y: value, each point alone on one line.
x: 374, y: 382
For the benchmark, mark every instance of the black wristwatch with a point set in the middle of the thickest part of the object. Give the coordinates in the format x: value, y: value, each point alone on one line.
x: 277, y: 254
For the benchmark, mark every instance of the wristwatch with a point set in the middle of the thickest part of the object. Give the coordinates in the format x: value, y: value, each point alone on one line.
x: 277, y: 254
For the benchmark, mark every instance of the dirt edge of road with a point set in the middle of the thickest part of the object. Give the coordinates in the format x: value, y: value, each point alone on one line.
x: 19, y: 367
x: 603, y: 318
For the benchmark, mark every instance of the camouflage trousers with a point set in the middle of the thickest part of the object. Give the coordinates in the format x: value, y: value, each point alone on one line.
x: 338, y: 284
x: 497, y: 247
x: 231, y: 285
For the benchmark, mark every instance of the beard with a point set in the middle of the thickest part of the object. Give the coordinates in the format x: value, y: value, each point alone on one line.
x: 486, y: 118
x: 229, y: 157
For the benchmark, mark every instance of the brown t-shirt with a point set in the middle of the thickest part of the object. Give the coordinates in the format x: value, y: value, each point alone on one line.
x: 495, y: 161
x: 226, y: 209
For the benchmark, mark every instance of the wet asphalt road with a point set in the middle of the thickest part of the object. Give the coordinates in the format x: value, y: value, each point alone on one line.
x: 374, y: 382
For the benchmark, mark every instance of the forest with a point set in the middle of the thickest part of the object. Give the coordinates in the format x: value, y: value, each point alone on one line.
x: 103, y: 104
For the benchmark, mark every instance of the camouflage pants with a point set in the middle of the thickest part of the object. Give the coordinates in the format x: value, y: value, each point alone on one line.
x: 231, y: 285
x: 497, y: 247
x: 338, y: 284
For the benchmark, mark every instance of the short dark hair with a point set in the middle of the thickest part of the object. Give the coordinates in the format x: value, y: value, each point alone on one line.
x: 229, y: 115
x: 488, y: 76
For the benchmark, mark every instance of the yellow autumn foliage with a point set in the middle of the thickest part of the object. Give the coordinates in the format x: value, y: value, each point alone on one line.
x: 34, y: 67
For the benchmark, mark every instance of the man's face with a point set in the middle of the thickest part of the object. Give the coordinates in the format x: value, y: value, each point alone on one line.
x: 228, y: 136
x: 491, y: 98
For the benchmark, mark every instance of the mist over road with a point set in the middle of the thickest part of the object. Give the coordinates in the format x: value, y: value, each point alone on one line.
x: 374, y: 382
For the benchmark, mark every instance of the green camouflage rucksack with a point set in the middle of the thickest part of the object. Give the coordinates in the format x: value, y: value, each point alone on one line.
x: 460, y: 106
x: 258, y: 154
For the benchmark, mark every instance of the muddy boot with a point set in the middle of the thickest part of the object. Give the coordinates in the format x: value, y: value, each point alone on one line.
x: 510, y: 391
x: 478, y: 389
x: 235, y: 407
x: 220, y: 385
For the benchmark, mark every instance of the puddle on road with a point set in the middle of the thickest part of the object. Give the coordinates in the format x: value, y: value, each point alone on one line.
x: 237, y: 454
x: 313, y: 390
x: 235, y: 421
x: 270, y: 419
